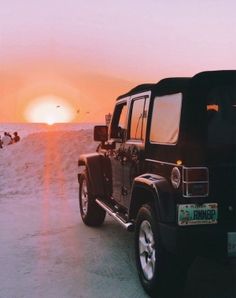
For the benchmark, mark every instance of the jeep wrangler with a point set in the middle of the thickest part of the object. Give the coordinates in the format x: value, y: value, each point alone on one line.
x: 166, y: 169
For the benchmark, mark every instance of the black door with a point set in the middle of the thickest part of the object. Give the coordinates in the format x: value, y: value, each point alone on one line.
x: 118, y: 131
x: 134, y: 146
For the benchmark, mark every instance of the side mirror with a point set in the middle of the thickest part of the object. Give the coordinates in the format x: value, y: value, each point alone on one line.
x: 100, y: 133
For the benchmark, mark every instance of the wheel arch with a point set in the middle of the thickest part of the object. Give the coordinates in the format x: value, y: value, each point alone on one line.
x: 155, y: 190
x: 98, y: 171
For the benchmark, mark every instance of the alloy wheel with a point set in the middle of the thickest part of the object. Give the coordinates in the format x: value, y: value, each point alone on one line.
x: 147, y: 251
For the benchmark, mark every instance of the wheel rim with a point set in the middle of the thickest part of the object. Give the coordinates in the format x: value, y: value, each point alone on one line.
x: 84, y: 197
x: 147, y: 252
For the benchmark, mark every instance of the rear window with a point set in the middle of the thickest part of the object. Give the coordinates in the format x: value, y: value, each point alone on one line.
x: 165, y: 119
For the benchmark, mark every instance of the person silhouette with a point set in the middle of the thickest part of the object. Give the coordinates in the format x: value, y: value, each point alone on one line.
x: 16, y: 137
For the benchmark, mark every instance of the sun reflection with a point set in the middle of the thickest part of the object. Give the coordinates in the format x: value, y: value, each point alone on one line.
x: 49, y: 109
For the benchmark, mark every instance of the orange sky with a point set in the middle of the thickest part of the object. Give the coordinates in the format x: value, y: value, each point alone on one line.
x: 90, y: 52
x: 90, y: 95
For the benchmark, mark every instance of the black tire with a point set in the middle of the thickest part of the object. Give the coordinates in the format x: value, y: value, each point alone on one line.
x: 159, y: 271
x: 91, y: 213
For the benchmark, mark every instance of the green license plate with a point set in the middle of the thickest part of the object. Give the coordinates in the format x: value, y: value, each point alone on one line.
x: 193, y: 214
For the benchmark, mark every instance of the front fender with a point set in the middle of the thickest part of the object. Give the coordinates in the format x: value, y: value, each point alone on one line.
x: 155, y: 189
x: 98, y: 171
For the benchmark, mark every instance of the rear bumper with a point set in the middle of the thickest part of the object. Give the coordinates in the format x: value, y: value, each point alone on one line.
x: 210, y: 240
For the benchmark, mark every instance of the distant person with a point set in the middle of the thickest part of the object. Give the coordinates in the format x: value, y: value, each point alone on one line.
x: 6, y: 139
x: 16, y: 137
x: 0, y: 142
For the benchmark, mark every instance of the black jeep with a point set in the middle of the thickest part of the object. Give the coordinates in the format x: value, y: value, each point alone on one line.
x: 166, y: 168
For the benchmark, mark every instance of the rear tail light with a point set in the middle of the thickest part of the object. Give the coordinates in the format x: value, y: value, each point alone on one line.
x: 195, y: 182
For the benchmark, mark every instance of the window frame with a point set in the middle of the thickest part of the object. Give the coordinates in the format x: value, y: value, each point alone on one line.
x: 140, y: 119
x: 146, y: 97
x: 123, y: 102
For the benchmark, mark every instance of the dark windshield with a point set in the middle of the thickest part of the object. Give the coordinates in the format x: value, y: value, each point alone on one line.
x: 221, y: 118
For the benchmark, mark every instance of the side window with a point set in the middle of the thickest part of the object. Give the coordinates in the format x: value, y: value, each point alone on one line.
x: 118, y: 124
x: 137, y: 119
x: 165, y: 119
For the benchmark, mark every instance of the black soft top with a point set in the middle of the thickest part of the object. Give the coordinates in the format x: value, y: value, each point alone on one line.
x: 165, y: 86
x: 181, y: 84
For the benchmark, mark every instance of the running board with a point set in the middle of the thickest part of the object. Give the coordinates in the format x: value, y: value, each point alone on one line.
x: 129, y: 226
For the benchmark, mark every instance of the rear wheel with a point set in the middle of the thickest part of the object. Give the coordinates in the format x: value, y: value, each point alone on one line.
x: 158, y: 270
x: 91, y: 213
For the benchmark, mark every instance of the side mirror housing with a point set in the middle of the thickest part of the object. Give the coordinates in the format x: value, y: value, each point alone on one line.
x: 100, y: 133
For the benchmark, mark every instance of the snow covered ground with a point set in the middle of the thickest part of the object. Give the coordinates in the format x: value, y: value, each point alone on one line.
x: 45, y: 250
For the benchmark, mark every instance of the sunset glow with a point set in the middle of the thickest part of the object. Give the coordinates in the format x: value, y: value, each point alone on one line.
x: 49, y: 109
x: 79, y: 53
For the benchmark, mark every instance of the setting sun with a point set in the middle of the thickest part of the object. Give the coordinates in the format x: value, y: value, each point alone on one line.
x: 49, y: 109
